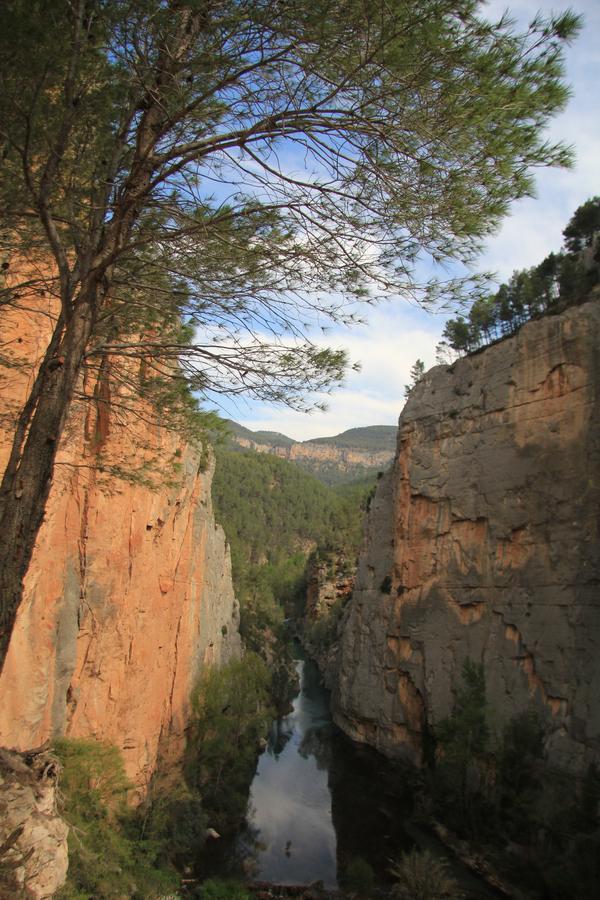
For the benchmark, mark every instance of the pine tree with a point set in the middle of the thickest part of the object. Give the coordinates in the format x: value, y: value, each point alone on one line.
x: 144, y: 168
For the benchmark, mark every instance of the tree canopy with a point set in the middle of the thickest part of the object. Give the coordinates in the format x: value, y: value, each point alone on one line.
x: 237, y: 169
x: 583, y: 225
x: 562, y: 279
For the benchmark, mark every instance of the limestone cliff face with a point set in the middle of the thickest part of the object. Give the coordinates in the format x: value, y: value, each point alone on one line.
x: 129, y: 592
x: 324, y: 460
x: 483, y: 542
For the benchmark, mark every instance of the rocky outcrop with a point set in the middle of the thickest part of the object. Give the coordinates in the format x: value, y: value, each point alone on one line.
x: 483, y: 542
x: 33, y: 837
x: 327, y: 462
x: 128, y: 593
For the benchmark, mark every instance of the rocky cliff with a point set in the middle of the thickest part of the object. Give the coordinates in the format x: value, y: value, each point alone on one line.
x: 129, y: 590
x: 483, y: 542
x: 329, y: 463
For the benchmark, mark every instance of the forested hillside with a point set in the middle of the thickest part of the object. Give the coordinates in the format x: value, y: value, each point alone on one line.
x: 275, y: 515
x: 372, y: 437
x: 354, y: 455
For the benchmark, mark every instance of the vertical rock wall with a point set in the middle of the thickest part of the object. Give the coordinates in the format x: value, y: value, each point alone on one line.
x: 483, y: 542
x: 129, y: 591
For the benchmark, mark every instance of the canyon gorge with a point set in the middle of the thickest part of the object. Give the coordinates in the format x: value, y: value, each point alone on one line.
x: 480, y: 543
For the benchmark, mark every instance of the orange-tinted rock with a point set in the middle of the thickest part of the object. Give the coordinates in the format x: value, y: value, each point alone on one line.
x: 483, y: 542
x: 326, y: 461
x: 128, y: 594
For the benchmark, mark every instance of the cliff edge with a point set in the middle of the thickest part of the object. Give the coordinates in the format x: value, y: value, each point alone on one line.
x: 482, y: 542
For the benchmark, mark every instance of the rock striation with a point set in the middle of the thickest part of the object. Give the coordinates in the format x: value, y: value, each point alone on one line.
x: 483, y: 542
x: 33, y: 837
x: 128, y: 593
x: 327, y: 462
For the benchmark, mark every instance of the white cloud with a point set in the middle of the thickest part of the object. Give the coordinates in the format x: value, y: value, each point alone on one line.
x: 398, y: 334
x: 386, y: 350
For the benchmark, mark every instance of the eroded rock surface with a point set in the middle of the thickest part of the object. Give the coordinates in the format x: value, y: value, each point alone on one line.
x: 33, y: 837
x: 129, y: 590
x: 483, y: 542
x: 325, y: 461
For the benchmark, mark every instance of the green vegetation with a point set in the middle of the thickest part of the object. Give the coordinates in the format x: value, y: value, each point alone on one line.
x: 359, y: 877
x: 561, y: 280
x: 274, y: 516
x: 231, y: 712
x: 496, y: 790
x: 463, y: 746
x: 583, y: 226
x: 423, y: 876
x: 371, y: 437
x: 223, y: 889
x: 110, y: 854
x: 417, y: 370
x: 117, y: 851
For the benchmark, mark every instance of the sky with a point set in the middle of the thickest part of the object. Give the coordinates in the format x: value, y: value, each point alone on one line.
x: 398, y: 333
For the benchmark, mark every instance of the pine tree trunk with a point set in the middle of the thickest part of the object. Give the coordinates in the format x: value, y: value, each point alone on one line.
x: 24, y: 491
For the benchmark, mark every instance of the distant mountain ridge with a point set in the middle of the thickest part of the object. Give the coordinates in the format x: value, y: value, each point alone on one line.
x: 350, y: 456
x: 370, y: 437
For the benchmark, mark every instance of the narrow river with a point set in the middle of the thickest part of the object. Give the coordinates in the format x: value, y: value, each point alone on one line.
x: 318, y: 803
x: 290, y: 838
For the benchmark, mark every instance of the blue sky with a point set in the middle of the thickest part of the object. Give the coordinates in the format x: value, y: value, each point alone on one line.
x: 398, y: 333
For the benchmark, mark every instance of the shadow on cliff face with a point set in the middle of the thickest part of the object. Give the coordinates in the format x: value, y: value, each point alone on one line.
x: 371, y: 801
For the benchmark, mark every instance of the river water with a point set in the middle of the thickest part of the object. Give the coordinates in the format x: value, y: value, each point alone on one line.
x: 290, y: 836
x: 317, y: 803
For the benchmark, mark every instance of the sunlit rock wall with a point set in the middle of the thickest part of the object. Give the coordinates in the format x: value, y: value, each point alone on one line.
x: 129, y: 591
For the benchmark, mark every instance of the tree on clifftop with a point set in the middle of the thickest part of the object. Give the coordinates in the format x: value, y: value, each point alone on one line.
x: 245, y: 167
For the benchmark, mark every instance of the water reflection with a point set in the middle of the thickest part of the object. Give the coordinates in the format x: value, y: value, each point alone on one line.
x: 290, y: 836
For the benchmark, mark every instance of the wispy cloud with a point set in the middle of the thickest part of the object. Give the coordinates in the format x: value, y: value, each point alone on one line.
x: 385, y: 350
x: 398, y: 333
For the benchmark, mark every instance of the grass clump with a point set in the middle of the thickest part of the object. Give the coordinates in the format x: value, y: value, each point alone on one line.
x: 223, y: 889
x: 422, y: 876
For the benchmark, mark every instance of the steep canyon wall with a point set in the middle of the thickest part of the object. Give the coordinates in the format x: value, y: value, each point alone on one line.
x: 129, y: 590
x: 483, y: 542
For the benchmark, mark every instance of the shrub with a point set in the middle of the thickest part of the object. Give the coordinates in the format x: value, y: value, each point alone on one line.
x: 421, y: 876
x: 107, y: 856
x: 219, y: 889
x: 359, y: 876
x: 231, y: 712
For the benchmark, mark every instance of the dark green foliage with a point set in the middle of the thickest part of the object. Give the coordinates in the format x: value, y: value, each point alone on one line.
x: 463, y: 740
x: 559, y: 281
x: 386, y: 585
x: 416, y: 373
x: 231, y: 712
x: 497, y: 790
x: 359, y: 877
x: 583, y: 225
x: 274, y: 514
x: 109, y: 856
x: 219, y: 889
x: 371, y: 437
